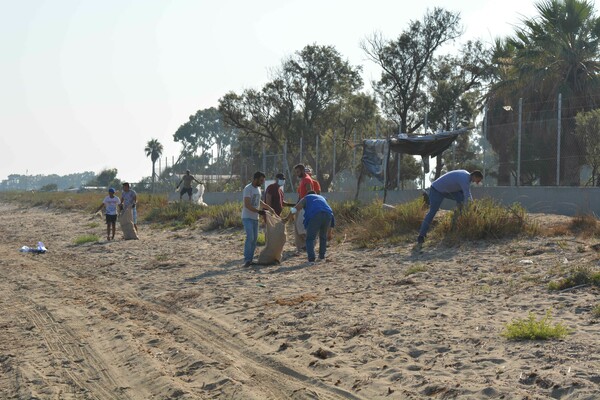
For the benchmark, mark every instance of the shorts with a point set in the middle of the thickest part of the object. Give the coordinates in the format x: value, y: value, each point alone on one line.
x: 186, y: 190
x: 111, y: 219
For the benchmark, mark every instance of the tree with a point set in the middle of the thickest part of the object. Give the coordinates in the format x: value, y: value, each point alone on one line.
x: 153, y: 150
x: 454, y: 83
x: 588, y: 131
x: 404, y: 62
x: 303, y: 101
x: 204, y: 131
x: 554, y: 52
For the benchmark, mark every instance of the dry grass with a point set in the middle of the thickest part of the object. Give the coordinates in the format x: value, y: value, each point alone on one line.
x: 485, y: 219
x: 294, y: 301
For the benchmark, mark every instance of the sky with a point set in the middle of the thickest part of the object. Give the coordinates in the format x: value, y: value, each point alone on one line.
x: 85, y: 84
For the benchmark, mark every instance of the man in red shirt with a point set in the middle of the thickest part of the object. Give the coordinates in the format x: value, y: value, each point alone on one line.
x: 306, y: 182
x: 274, y: 195
x: 305, y: 186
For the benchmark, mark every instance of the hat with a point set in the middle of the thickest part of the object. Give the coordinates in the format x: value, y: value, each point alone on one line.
x: 280, y: 176
x: 111, y: 190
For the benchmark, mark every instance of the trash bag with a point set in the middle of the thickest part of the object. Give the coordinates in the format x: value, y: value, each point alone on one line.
x: 299, y: 231
x: 197, y: 196
x: 126, y: 223
x: 275, y: 240
x: 40, y: 249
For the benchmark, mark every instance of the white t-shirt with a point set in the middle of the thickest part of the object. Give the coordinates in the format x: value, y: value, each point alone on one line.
x: 254, y: 193
x: 111, y: 204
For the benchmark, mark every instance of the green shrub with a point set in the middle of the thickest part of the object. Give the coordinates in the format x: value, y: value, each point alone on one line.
x: 596, y: 311
x: 370, y: 224
x: 220, y: 216
x: 580, y: 275
x: 86, y: 239
x: 415, y: 268
x: 531, y: 329
x: 485, y: 219
x: 261, y: 240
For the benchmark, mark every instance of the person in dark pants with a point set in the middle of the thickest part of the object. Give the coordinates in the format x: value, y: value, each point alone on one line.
x: 318, y: 220
x: 454, y: 185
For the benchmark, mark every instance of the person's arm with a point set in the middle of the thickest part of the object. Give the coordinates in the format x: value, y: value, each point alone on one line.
x: 466, y: 189
x: 268, y: 207
x: 100, y: 208
x: 309, y: 186
x: 179, y: 183
x: 249, y: 206
x: 268, y: 197
x: 300, y: 205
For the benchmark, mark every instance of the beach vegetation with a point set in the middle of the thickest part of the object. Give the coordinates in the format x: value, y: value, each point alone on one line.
x: 531, y: 328
x: 484, y: 219
x: 86, y: 239
x: 576, y: 276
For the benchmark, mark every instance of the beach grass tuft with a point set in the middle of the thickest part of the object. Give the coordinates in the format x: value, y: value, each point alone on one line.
x: 531, y: 328
x: 577, y: 276
x: 86, y: 239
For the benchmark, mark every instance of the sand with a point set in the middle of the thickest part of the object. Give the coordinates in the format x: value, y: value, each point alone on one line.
x: 174, y: 315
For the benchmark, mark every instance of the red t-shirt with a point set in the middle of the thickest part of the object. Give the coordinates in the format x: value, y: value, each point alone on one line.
x: 276, y: 197
x: 316, y: 185
x: 302, y: 186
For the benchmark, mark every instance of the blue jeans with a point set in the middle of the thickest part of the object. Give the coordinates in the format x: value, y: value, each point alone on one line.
x: 251, y: 228
x: 435, y: 201
x: 318, y: 224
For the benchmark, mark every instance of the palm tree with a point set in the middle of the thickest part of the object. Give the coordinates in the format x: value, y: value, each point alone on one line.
x: 554, y: 52
x: 153, y: 150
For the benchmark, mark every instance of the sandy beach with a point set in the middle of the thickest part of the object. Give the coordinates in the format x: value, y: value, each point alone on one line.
x: 175, y: 316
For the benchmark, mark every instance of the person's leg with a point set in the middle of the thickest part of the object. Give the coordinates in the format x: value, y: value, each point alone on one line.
x: 312, y: 229
x: 114, y: 229
x: 325, y: 224
x: 107, y: 227
x: 435, y: 201
x: 251, y: 230
x: 135, y: 218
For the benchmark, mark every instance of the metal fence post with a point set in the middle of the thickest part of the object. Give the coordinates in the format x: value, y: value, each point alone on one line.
x: 558, y: 132
x: 317, y: 157
x: 485, y: 127
x: 334, y: 140
x: 264, y: 157
x: 519, y: 132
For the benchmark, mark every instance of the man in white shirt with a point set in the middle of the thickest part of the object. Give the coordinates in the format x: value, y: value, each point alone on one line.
x: 250, y: 212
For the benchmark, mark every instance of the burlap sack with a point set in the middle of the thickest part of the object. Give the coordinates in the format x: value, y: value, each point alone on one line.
x: 126, y: 223
x: 275, y: 240
x: 299, y: 230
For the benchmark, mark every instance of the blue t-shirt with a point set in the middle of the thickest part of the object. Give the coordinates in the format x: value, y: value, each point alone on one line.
x: 314, y: 204
x: 454, y: 181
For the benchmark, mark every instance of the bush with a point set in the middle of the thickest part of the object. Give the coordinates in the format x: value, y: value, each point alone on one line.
x: 532, y: 329
x: 370, y: 224
x: 86, y: 239
x: 585, y: 225
x: 581, y: 275
x: 214, y: 217
x: 485, y: 219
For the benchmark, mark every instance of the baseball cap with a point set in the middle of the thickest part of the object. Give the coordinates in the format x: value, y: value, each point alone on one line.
x: 111, y: 190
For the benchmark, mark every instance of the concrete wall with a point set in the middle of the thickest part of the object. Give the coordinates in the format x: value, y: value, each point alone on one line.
x: 553, y: 200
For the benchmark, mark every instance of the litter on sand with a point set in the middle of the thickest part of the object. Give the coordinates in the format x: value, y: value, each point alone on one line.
x: 40, y: 249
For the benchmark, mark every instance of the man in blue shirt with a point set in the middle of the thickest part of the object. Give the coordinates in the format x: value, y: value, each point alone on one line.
x: 454, y: 185
x: 318, y: 219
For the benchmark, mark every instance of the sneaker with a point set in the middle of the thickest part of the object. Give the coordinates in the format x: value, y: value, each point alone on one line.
x: 247, y: 264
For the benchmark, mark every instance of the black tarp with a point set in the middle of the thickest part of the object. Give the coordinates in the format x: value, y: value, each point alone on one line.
x: 375, y: 150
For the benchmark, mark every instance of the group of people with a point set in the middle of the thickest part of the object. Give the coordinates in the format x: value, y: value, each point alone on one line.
x: 316, y: 215
x: 313, y: 214
x: 112, y: 205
